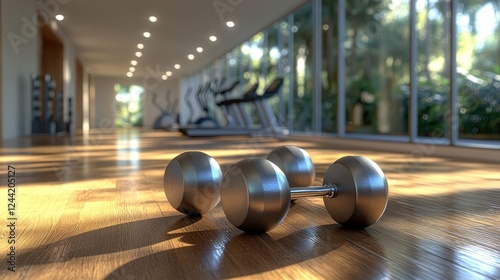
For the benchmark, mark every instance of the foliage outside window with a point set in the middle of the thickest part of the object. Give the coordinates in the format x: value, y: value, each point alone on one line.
x: 128, y: 105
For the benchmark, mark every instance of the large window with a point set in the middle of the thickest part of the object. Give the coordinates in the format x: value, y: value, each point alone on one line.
x: 274, y: 67
x: 478, y: 69
x: 433, y: 67
x: 273, y: 52
x: 391, y: 78
x: 286, y: 116
x: 329, y: 74
x: 302, y: 52
x: 377, y: 66
x: 128, y: 105
x: 233, y: 62
x: 252, y: 54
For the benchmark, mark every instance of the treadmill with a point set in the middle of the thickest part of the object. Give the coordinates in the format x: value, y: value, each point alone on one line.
x: 236, y: 110
x: 233, y: 129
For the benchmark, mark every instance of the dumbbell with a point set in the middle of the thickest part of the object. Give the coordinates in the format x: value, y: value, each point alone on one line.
x: 192, y: 180
x: 295, y: 163
x: 256, y: 195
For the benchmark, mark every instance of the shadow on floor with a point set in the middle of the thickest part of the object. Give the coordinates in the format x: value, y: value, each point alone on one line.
x: 248, y: 254
x: 112, y: 239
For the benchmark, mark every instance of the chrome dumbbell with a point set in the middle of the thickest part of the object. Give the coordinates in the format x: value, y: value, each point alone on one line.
x: 256, y: 194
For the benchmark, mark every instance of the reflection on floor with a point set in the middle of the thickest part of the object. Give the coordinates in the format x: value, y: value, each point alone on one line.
x: 93, y: 207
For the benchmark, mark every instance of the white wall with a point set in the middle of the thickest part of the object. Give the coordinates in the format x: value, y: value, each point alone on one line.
x: 105, y: 98
x: 20, y: 53
x: 1, y: 75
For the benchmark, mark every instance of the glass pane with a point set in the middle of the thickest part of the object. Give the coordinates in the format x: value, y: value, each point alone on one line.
x: 329, y: 72
x: 303, y: 88
x: 478, y: 69
x: 287, y: 63
x: 232, y: 60
x: 273, y: 52
x: 252, y: 52
x: 274, y: 70
x: 377, y: 66
x: 433, y: 67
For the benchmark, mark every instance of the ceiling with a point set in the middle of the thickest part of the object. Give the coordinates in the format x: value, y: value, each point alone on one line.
x: 106, y: 33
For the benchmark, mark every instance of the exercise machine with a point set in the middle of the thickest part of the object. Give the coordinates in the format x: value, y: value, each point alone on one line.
x: 204, y: 121
x: 235, y: 111
x: 221, y: 94
x: 167, y: 120
x: 262, y: 106
x: 231, y: 129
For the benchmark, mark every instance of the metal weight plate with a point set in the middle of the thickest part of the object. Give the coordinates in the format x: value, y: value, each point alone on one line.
x: 255, y: 195
x: 362, y: 191
x: 192, y: 183
x: 295, y: 163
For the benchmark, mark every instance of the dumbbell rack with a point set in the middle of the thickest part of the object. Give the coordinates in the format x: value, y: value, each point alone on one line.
x: 47, y: 105
x: 36, y: 120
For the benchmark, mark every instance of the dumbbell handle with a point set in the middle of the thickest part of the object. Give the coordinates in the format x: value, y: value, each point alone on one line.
x: 327, y: 190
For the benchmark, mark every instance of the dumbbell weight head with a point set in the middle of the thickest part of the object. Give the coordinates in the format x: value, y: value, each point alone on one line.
x: 362, y: 191
x: 295, y: 163
x: 255, y: 195
x: 192, y: 182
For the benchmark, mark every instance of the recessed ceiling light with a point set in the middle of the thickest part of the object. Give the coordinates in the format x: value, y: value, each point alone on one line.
x: 59, y: 17
x: 132, y: 69
x: 133, y: 62
x: 130, y: 74
x: 230, y: 24
x: 169, y: 73
x: 146, y: 34
x: 153, y: 19
x: 213, y: 38
x: 164, y: 77
x: 140, y: 46
x: 190, y: 56
x: 138, y: 54
x: 177, y: 66
x: 199, y: 49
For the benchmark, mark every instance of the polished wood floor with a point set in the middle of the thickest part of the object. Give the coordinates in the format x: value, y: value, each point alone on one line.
x: 94, y: 208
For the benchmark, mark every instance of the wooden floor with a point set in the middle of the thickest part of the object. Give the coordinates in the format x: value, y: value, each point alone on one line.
x: 94, y: 208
